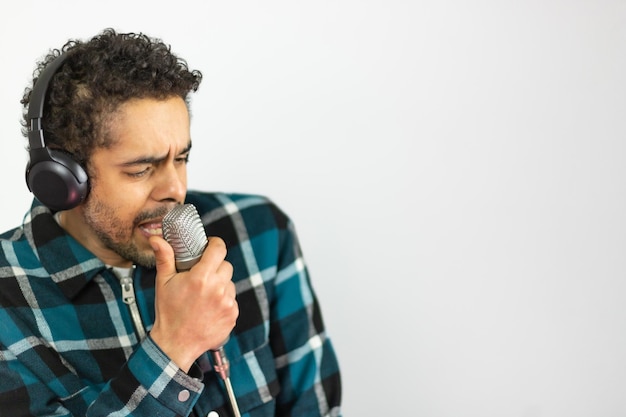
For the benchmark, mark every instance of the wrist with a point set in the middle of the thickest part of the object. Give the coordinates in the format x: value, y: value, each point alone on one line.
x: 176, y: 352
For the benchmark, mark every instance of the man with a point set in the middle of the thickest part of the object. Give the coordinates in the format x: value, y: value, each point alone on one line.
x: 95, y: 320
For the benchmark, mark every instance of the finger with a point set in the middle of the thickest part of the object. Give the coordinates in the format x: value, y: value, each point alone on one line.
x: 225, y: 269
x: 231, y: 290
x: 164, y: 258
x: 214, y: 254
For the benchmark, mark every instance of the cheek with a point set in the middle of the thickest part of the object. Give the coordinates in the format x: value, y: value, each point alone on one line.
x: 181, y: 168
x: 117, y: 206
x: 118, y: 192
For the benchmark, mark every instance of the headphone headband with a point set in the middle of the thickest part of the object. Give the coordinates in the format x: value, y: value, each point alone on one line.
x: 37, y: 101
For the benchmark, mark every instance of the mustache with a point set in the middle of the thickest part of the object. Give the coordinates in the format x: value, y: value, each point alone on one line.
x: 152, y: 214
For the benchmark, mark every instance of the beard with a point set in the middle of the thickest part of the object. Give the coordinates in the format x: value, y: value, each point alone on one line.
x: 116, y: 234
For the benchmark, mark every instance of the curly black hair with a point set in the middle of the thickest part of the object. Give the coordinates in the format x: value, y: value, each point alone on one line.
x: 97, y: 77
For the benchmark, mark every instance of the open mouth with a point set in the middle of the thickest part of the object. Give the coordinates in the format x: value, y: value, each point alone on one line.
x: 151, y: 228
x: 150, y: 222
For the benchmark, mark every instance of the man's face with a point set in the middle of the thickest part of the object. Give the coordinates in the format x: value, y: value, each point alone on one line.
x: 135, y: 182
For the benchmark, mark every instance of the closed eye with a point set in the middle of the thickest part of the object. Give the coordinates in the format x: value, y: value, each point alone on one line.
x: 183, y: 158
x: 139, y: 174
x: 143, y: 166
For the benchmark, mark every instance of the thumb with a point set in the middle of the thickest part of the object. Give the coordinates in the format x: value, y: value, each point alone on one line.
x: 164, y: 258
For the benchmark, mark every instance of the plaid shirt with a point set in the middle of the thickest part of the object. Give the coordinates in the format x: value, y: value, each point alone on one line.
x: 68, y: 345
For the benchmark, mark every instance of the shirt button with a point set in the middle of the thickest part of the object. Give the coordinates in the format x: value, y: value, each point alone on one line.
x: 183, y: 395
x: 213, y: 414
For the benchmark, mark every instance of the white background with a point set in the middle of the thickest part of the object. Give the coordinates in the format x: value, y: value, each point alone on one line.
x: 456, y: 171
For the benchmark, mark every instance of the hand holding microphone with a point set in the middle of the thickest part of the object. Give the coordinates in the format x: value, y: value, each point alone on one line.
x: 195, y: 309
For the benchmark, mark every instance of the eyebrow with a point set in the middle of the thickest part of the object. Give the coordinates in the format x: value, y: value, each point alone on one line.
x: 152, y: 159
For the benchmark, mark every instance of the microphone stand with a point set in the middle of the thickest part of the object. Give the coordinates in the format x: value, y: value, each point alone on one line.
x: 222, y: 368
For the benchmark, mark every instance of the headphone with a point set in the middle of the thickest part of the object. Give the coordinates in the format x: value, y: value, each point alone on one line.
x: 54, y: 178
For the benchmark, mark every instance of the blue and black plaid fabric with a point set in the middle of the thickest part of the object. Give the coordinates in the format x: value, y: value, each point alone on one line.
x: 68, y: 346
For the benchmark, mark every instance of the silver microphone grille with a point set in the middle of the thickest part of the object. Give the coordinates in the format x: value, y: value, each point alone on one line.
x: 183, y: 230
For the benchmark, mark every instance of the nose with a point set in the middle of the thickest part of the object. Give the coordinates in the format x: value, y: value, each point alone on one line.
x: 171, y: 183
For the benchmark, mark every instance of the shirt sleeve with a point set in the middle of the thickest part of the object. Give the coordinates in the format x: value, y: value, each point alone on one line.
x: 149, y: 384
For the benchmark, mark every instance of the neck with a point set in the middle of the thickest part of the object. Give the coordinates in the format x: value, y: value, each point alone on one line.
x: 73, y: 225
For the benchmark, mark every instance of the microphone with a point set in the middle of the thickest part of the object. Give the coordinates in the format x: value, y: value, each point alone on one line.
x: 184, y: 231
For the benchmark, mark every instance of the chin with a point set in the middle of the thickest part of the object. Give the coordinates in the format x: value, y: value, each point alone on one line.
x: 147, y: 261
x: 145, y: 257
x: 138, y: 255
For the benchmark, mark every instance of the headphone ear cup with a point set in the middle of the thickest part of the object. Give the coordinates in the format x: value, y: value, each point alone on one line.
x: 57, y: 180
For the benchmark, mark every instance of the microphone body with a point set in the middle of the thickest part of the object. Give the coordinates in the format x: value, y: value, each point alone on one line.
x: 184, y: 231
